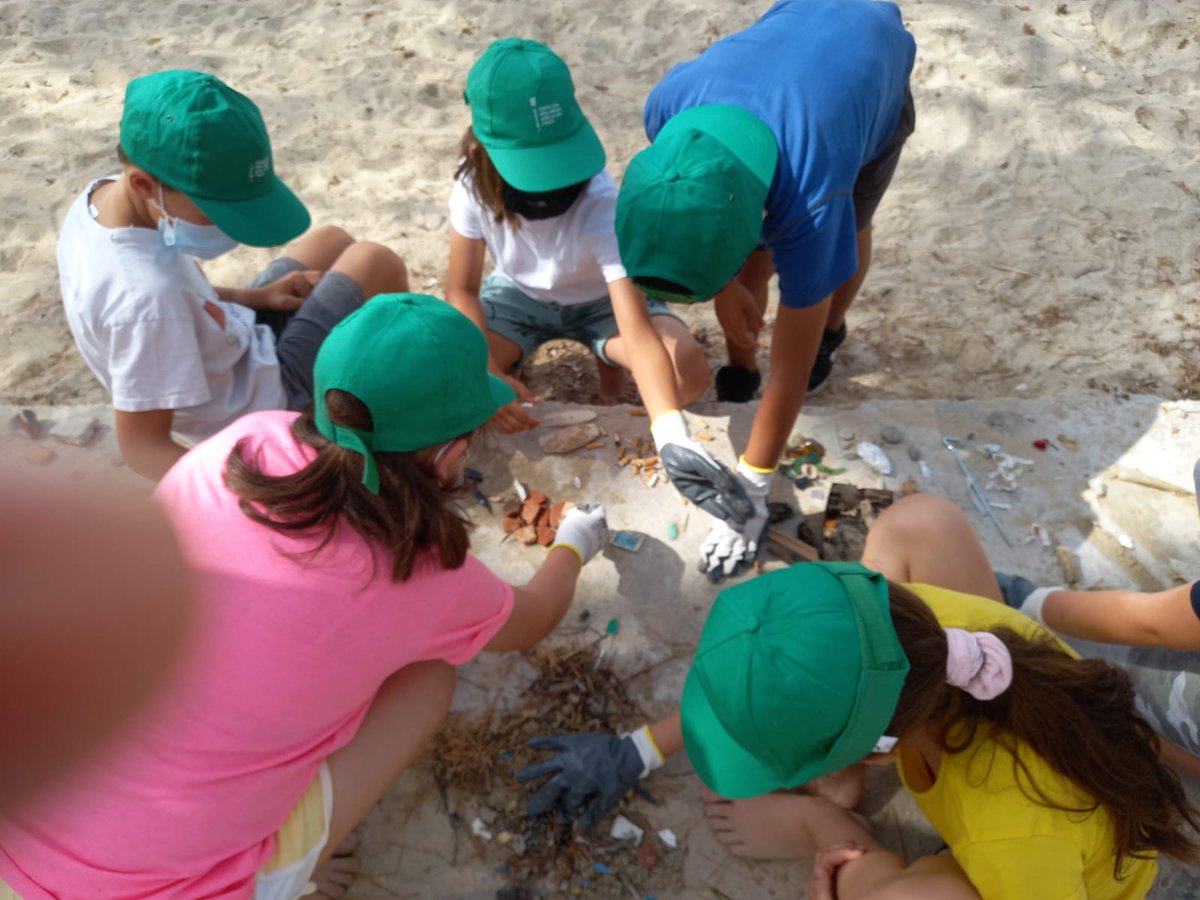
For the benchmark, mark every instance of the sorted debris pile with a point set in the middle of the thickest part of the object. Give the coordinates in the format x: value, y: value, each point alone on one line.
x: 474, y: 758
x: 535, y: 519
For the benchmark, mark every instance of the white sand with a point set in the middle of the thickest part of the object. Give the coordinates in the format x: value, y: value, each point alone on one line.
x: 1042, y: 229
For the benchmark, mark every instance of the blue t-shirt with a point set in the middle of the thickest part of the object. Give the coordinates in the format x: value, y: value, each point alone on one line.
x: 828, y: 77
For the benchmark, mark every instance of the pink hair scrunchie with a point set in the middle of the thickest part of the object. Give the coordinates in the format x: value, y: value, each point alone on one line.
x: 978, y: 662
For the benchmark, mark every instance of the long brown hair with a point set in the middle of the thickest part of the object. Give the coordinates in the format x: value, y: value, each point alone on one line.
x: 1076, y: 714
x: 476, y: 166
x: 411, y: 513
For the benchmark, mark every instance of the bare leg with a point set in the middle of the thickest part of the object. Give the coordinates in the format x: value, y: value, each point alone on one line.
x: 615, y: 386
x: 408, y: 710
x: 842, y: 788
x: 320, y: 248
x: 505, y: 354
x: 375, y: 268
x: 928, y: 540
x: 692, y: 374
x: 755, y: 275
x: 844, y: 295
x: 793, y: 825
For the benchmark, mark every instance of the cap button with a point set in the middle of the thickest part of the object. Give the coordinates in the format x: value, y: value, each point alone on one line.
x: 752, y: 623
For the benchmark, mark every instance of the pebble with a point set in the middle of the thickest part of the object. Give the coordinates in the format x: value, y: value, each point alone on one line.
x: 891, y: 434
x: 914, y: 452
x: 873, y: 456
x: 672, y: 531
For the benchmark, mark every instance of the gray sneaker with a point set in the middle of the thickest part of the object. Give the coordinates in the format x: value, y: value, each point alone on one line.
x: 1014, y: 589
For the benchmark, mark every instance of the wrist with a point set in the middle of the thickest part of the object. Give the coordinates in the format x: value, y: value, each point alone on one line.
x: 756, y: 476
x: 1033, y: 605
x: 669, y: 427
x: 575, y: 551
x: 651, y: 756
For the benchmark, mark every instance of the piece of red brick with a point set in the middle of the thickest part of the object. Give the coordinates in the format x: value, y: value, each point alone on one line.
x: 511, y: 525
x: 513, y: 510
x: 545, y: 535
x: 529, y: 511
x: 527, y: 535
x: 557, y: 511
x: 537, y: 497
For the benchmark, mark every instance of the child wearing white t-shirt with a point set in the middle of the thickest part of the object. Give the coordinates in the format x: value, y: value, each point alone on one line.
x: 177, y: 354
x: 532, y: 192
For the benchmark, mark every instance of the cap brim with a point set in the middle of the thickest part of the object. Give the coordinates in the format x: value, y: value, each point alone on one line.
x: 669, y: 296
x: 744, y: 134
x: 502, y: 392
x: 275, y: 218
x: 539, y: 169
x: 720, y: 761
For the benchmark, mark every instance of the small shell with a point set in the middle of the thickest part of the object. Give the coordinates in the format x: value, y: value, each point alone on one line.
x: 873, y: 456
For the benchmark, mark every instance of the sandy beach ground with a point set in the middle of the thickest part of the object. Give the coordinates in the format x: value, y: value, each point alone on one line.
x: 1041, y: 238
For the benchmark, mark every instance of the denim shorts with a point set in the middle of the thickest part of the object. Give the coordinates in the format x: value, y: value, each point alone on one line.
x: 529, y: 323
x: 299, y: 334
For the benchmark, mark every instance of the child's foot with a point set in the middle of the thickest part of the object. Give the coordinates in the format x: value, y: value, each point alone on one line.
x: 615, y: 386
x: 767, y: 827
x: 333, y: 876
x: 843, y: 788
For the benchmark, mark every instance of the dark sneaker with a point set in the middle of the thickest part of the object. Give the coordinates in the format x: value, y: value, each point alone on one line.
x: 826, y: 354
x: 737, y: 385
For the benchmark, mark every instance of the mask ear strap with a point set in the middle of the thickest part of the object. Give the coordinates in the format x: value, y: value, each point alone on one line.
x: 167, y: 222
x: 355, y: 440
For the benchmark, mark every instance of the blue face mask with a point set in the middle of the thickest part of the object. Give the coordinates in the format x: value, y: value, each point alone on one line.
x: 459, y: 479
x: 201, y: 241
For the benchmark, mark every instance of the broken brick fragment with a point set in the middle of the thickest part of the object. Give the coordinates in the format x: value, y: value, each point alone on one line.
x: 545, y: 535
x: 511, y: 525
x: 527, y: 535
x: 557, y: 511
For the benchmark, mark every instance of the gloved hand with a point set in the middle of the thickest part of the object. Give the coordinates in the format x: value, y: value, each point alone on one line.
x: 694, y: 472
x: 1021, y: 593
x: 728, y: 547
x: 584, y: 529
x: 592, y: 772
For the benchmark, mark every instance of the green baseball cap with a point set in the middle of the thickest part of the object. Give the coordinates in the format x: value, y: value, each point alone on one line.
x: 797, y: 675
x: 197, y: 135
x: 690, y: 209
x: 420, y: 368
x: 523, y: 111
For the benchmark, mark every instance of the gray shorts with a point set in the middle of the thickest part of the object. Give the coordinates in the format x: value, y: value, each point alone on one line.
x: 299, y: 334
x: 529, y: 323
x: 873, y: 178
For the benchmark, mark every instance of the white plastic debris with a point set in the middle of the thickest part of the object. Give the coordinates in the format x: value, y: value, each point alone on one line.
x: 667, y: 836
x: 520, y: 489
x: 926, y: 472
x: 479, y: 829
x: 624, y: 830
x: 873, y: 456
x: 578, y: 482
x: 1125, y: 541
x: 1041, y: 533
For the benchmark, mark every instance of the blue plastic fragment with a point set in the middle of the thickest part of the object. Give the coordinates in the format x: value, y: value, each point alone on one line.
x: 601, y: 869
x: 506, y: 756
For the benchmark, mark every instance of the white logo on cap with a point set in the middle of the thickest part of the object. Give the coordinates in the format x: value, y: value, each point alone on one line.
x: 259, y: 168
x: 544, y: 115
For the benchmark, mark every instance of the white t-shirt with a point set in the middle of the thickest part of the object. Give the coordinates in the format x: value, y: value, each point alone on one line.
x: 151, y: 328
x: 565, y: 260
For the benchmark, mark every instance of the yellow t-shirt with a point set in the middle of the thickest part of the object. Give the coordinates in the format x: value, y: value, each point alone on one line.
x: 1011, y: 847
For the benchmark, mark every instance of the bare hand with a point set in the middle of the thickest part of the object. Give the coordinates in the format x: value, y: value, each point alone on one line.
x: 738, y: 315
x: 514, y: 417
x: 825, y: 865
x: 287, y: 293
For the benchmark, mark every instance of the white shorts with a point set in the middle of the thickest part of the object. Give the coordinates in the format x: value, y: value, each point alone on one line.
x: 299, y: 843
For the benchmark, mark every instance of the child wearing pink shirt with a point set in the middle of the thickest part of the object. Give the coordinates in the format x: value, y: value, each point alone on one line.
x: 335, y: 596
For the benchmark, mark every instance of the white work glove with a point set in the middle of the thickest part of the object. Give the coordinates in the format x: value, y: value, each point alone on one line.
x: 694, y: 472
x: 728, y: 547
x: 584, y: 530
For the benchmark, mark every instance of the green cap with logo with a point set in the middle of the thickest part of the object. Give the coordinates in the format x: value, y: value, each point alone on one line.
x: 418, y: 365
x: 523, y: 111
x: 690, y: 209
x: 197, y: 135
x: 797, y: 675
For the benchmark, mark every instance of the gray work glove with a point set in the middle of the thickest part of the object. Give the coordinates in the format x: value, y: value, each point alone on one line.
x: 729, y: 548
x: 591, y: 773
x: 703, y: 480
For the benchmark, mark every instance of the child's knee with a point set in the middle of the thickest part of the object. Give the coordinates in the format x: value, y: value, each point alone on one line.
x: 377, y: 269
x: 692, y: 374
x: 332, y: 236
x: 921, y: 515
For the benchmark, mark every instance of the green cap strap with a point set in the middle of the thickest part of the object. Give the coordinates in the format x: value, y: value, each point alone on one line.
x: 359, y: 442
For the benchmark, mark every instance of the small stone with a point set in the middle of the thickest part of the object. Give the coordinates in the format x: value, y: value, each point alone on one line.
x: 38, y: 455
x: 1070, y: 443
x: 874, y: 457
x: 564, y: 417
x: 564, y: 440
x: 891, y: 434
x: 914, y: 452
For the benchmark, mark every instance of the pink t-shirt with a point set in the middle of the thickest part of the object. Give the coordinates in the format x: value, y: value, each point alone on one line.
x: 285, y: 657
